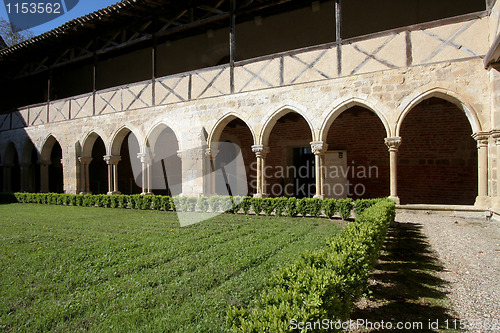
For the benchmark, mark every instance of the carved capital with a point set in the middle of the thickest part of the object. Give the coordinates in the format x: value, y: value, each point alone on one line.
x: 83, y: 160
x: 482, y: 139
x: 495, y: 134
x: 393, y: 143
x: 112, y: 159
x: 211, y: 153
x: 318, y: 147
x: 144, y: 157
x: 260, y: 151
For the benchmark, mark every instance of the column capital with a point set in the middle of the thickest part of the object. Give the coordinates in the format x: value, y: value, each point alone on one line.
x: 144, y: 157
x: 211, y: 152
x: 318, y: 147
x: 495, y: 134
x: 481, y: 138
x: 179, y: 154
x: 83, y: 160
x: 393, y: 143
x: 112, y: 159
x: 260, y: 150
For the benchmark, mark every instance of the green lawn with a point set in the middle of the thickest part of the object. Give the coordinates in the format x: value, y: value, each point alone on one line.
x: 75, y: 268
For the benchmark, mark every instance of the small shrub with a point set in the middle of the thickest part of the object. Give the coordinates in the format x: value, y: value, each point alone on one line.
x: 145, y: 204
x: 257, y: 205
x: 344, y: 207
x: 156, y: 202
x: 291, y: 207
x: 214, y: 202
x: 114, y: 201
x: 302, y: 206
x: 280, y: 205
x: 203, y: 205
x: 246, y: 204
x: 268, y: 206
x: 329, y: 207
x: 226, y: 204
x: 166, y: 203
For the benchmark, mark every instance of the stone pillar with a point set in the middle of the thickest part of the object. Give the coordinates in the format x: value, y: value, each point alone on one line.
x: 146, y: 173
x: 393, y: 145
x: 319, y: 148
x: 482, y: 200
x: 261, y: 153
x: 112, y: 162
x: 44, y: 176
x: 211, y: 153
x: 84, y: 174
x: 496, y: 201
x: 7, y: 178
x: 25, y: 177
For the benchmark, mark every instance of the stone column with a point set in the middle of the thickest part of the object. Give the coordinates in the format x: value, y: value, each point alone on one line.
x: 146, y: 173
x: 112, y: 162
x: 44, y: 175
x: 319, y: 148
x: 393, y: 145
x: 25, y: 177
x: 211, y: 153
x: 482, y: 200
x: 7, y: 178
x: 496, y: 201
x: 261, y: 153
x: 84, y: 174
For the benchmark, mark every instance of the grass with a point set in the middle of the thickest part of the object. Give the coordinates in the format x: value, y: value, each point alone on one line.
x: 96, y: 269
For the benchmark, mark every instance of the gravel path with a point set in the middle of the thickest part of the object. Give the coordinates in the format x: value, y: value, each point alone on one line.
x: 469, y: 249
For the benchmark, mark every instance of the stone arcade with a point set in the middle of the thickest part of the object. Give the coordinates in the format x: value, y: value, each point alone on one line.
x: 408, y: 88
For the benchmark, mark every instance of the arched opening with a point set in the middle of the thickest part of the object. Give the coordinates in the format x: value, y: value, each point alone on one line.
x: 56, y: 182
x: 357, y: 160
x: 290, y: 162
x: 166, y: 165
x: 437, y: 159
x: 12, y: 170
x: 127, y: 182
x: 235, y: 138
x: 34, y: 173
x: 98, y: 170
x: 52, y: 170
x: 30, y: 168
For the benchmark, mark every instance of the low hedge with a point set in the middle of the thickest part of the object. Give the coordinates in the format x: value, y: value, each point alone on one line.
x: 269, y: 206
x: 322, y: 284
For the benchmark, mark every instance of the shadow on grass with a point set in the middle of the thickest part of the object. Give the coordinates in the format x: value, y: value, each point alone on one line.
x: 405, y: 286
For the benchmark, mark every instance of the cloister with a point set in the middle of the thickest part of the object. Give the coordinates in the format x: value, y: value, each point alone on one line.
x: 409, y: 113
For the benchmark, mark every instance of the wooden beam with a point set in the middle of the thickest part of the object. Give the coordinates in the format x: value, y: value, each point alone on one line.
x: 338, y: 35
x: 232, y: 43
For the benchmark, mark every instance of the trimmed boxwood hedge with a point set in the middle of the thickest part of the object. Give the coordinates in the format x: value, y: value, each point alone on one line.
x: 269, y: 206
x: 322, y: 284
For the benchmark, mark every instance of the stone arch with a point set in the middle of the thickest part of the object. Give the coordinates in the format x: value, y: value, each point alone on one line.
x: 345, y: 105
x: 413, y: 100
x: 164, y: 163
x: 437, y: 158
x: 11, y: 169
x: 156, y: 130
x: 88, y: 143
x: 221, y: 124
x: 30, y: 167
x: 120, y: 134
x: 276, y: 115
x: 231, y: 161
x: 47, y: 146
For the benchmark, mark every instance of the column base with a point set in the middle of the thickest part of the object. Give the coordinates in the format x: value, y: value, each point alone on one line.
x: 483, y: 202
x: 495, y: 203
x: 83, y: 192
x: 260, y: 195
x: 395, y: 199
x: 319, y: 196
x: 114, y: 193
x: 147, y: 193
